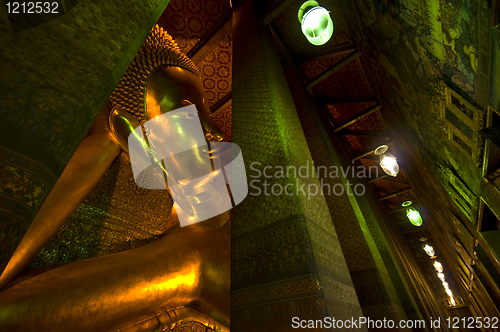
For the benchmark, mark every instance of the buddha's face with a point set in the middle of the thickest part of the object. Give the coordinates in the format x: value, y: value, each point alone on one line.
x: 169, y: 88
x: 185, y: 157
x: 192, y: 165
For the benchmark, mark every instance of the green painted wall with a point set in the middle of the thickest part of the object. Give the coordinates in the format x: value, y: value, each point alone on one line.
x: 56, y: 75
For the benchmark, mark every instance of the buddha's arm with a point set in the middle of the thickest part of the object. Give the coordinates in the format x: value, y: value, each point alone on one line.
x: 92, y: 158
x: 188, y: 267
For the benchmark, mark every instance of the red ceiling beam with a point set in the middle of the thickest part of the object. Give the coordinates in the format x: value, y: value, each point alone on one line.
x: 364, y: 133
x: 210, y: 34
x: 348, y: 100
x: 276, y: 11
x: 399, y: 192
x: 339, y: 64
x: 221, y: 102
x: 357, y: 117
x: 327, y: 52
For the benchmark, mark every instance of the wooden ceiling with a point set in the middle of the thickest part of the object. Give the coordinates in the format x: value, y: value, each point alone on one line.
x: 203, y: 31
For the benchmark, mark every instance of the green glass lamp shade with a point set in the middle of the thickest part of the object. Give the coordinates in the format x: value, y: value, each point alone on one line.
x: 412, y: 214
x: 317, y: 25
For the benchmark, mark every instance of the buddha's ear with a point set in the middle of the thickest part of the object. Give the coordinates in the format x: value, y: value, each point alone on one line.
x: 122, y: 124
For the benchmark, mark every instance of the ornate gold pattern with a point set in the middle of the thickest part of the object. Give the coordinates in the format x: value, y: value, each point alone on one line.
x: 158, y: 50
x: 116, y: 216
x: 295, y: 286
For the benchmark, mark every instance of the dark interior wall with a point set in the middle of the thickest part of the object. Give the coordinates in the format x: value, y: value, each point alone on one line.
x: 417, y: 56
x: 55, y: 77
x: 408, y: 75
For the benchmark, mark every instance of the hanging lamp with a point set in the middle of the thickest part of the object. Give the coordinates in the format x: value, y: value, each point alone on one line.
x: 387, y: 161
x: 316, y: 23
x: 412, y: 214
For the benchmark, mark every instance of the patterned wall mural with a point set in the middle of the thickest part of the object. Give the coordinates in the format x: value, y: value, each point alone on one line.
x: 413, y: 51
x: 447, y: 30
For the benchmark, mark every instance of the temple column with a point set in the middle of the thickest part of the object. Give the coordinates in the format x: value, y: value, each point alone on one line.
x: 286, y: 258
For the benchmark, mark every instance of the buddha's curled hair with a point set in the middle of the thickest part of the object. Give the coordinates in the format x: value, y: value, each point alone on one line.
x: 158, y: 50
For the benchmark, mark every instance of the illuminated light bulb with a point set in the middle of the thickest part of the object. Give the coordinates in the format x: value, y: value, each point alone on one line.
x: 445, y: 285
x: 429, y: 250
x: 389, y: 164
x: 316, y: 23
x: 452, y: 300
x: 412, y: 214
x: 438, y: 266
x: 387, y: 161
x: 441, y: 276
x: 449, y: 292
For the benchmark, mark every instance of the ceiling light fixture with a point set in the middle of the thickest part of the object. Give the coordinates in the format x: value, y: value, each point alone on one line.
x: 429, y: 250
x: 412, y: 214
x: 316, y: 23
x: 387, y: 161
x: 439, y: 267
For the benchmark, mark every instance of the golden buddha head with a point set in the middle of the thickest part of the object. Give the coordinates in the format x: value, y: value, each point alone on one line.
x: 160, y: 79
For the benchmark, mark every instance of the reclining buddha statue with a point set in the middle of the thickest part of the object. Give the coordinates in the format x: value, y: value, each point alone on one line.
x: 182, y: 275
